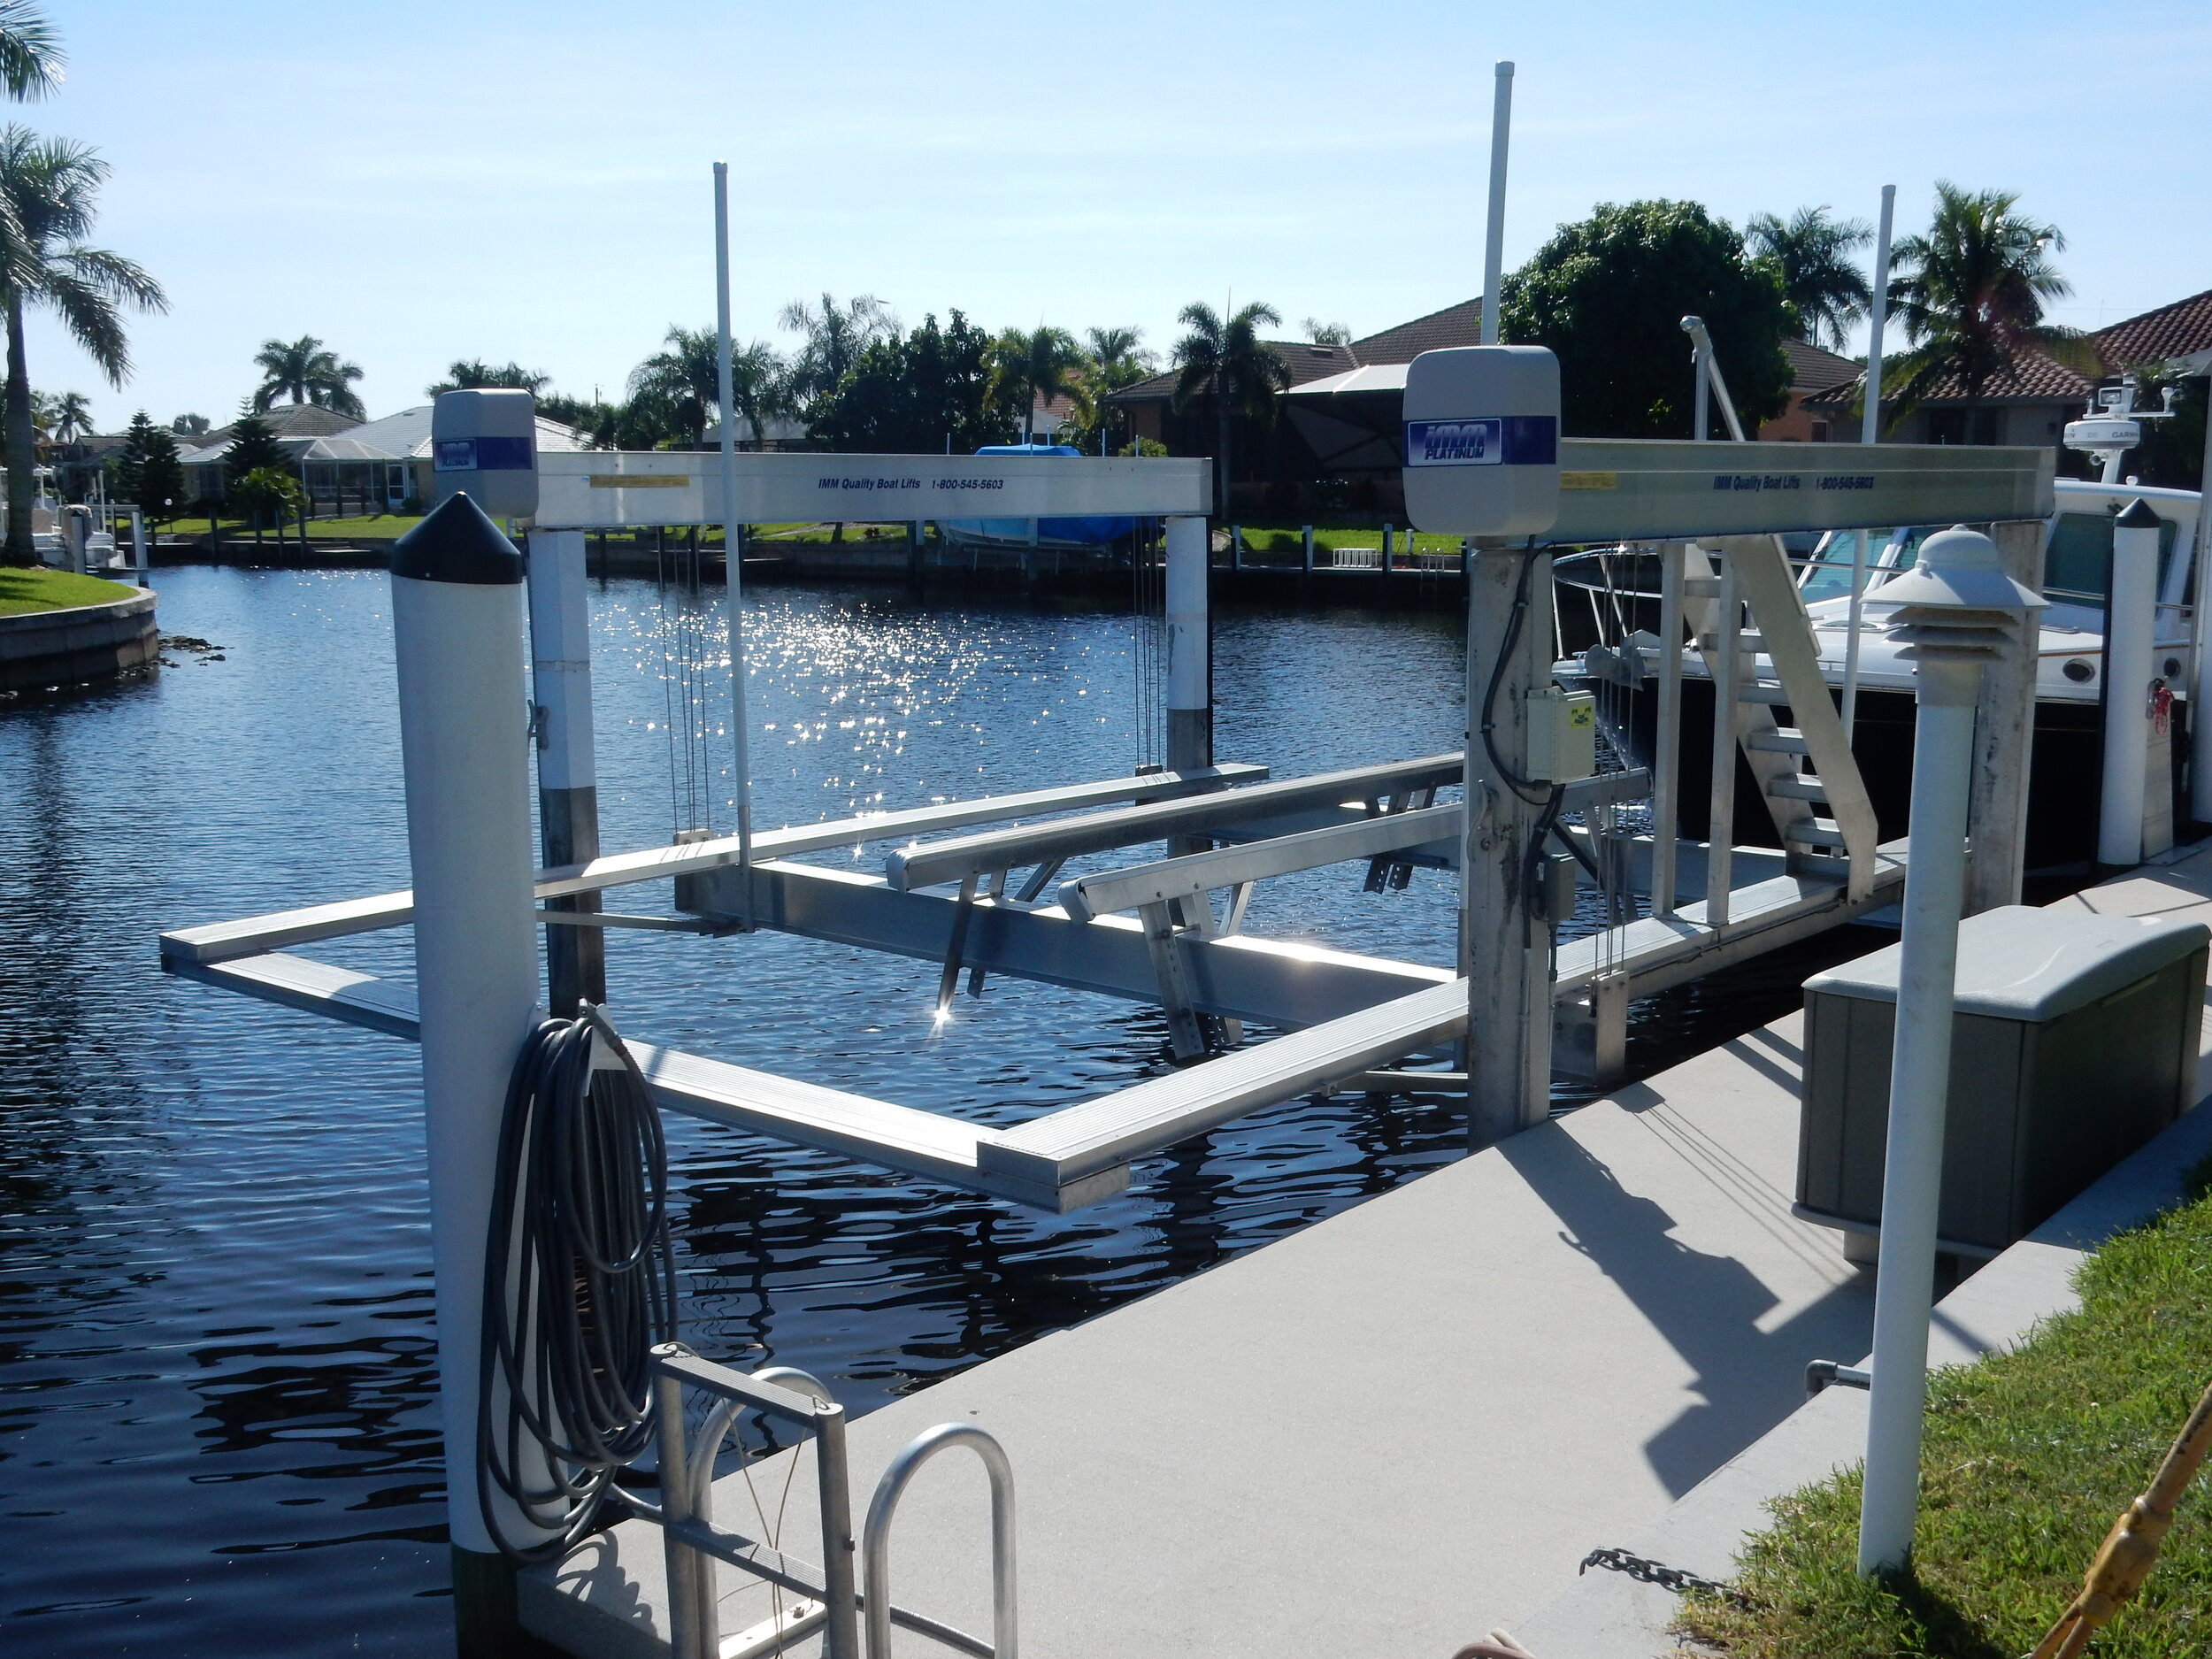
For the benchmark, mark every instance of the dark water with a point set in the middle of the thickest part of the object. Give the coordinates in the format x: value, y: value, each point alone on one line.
x: 217, y: 1365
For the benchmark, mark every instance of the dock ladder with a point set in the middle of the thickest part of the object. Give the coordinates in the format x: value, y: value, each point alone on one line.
x: 829, y: 1600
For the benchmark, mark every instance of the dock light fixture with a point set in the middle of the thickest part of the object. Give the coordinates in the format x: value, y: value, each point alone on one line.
x: 1957, y: 611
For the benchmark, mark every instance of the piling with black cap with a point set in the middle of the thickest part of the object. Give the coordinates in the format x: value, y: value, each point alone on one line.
x: 465, y: 725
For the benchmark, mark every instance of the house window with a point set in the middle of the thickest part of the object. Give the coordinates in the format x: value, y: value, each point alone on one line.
x: 1820, y: 431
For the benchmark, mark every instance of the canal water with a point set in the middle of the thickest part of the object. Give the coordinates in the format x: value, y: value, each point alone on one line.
x: 218, y: 1362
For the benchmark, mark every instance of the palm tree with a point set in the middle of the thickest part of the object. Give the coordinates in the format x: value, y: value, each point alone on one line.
x: 1327, y: 333
x: 307, y: 371
x: 835, y: 335
x: 1238, y: 370
x: 30, y: 52
x: 680, y: 382
x: 757, y: 387
x: 190, y: 426
x: 473, y: 373
x: 48, y: 190
x: 1119, y: 358
x: 72, y: 418
x: 1813, y: 252
x: 1033, y: 367
x: 1969, y: 294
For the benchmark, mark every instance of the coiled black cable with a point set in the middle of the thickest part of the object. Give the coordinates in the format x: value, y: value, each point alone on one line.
x: 580, y: 1282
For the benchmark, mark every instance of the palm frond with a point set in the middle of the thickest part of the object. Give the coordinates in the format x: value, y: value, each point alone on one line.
x: 91, y: 318
x: 31, y: 57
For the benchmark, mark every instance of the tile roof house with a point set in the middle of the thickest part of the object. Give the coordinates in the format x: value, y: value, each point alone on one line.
x: 1812, y: 371
x: 2033, y: 402
x: 2180, y: 334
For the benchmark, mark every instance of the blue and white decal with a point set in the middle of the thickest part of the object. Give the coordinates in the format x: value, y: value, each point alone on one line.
x: 488, y: 454
x: 1487, y: 441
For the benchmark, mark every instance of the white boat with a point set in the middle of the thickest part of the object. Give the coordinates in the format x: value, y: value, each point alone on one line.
x: 2076, y: 558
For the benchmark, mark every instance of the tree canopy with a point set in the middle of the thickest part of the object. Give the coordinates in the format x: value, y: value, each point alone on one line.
x: 467, y: 374
x: 253, y: 448
x: 147, y: 471
x: 1030, y: 366
x: 1813, y: 252
x: 1969, y: 293
x: 1608, y: 295
x: 49, y: 200
x: 1225, y: 361
x: 915, y: 394
x: 306, y: 371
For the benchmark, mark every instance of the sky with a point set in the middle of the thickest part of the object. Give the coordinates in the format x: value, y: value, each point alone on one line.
x: 414, y: 182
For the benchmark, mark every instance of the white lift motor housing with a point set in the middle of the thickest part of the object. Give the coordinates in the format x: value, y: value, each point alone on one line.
x: 485, y: 441
x: 1482, y: 440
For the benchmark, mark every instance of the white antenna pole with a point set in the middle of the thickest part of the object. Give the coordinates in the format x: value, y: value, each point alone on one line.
x: 733, y: 549
x: 1870, y: 431
x: 1494, y: 245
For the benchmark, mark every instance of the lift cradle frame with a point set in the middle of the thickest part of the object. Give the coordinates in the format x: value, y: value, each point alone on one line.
x: 1147, y: 932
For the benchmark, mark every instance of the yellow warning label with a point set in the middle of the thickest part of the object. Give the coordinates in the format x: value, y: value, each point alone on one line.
x: 641, y: 480
x: 1589, y: 481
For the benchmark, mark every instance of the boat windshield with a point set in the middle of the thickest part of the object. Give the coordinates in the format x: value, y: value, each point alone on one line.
x: 1828, y: 574
x: 2081, y: 552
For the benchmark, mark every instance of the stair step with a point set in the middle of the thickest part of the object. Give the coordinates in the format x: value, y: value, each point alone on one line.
x: 1760, y: 691
x: 1745, y: 642
x: 1821, y: 864
x: 1799, y: 787
x: 1701, y: 587
x: 1783, y: 739
x: 1816, y: 834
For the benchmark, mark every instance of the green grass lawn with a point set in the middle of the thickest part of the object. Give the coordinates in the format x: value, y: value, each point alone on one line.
x: 374, y: 528
x: 1288, y: 541
x: 2029, y: 1458
x: 38, y: 589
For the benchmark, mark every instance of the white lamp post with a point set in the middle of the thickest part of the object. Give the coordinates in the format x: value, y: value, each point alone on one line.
x: 1958, y: 610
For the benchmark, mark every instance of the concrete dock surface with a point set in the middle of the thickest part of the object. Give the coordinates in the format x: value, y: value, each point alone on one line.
x: 1391, y: 1432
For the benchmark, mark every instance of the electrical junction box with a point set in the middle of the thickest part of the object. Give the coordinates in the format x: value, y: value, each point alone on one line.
x: 1482, y: 440
x: 485, y: 441
x: 1562, y: 735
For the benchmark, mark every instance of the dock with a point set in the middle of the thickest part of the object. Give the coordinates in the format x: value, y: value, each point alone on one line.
x: 1407, y: 1424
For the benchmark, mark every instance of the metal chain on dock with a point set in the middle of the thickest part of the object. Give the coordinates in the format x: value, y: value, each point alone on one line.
x: 1648, y: 1572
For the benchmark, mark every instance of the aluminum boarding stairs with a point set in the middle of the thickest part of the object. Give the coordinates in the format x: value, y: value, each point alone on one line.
x: 1721, y: 582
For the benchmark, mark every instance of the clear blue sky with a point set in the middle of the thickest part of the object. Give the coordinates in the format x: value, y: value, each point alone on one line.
x: 419, y: 182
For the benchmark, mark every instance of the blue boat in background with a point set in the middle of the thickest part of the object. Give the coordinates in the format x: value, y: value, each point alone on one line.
x: 1069, y: 533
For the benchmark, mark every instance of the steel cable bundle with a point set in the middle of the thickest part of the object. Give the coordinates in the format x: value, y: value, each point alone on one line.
x: 578, y: 1284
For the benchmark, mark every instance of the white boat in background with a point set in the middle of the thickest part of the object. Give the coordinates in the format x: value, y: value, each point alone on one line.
x: 2076, y: 565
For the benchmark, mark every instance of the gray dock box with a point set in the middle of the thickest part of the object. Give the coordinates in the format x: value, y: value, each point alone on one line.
x: 2074, y: 1041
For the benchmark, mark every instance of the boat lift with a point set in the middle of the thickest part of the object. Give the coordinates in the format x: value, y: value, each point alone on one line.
x: 1147, y: 932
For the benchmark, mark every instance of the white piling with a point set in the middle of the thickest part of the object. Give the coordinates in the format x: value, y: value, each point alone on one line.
x: 1869, y: 430
x: 1189, y: 712
x: 732, y: 546
x: 457, y: 628
x: 1958, y: 604
x: 1493, y: 239
x: 2130, y: 631
x: 2201, y: 670
x: 568, y: 777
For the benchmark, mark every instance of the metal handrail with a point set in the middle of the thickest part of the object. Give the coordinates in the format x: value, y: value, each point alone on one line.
x: 688, y: 1530
x: 875, y: 1539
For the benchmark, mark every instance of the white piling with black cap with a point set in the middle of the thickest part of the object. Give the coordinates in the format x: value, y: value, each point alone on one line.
x: 465, y: 749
